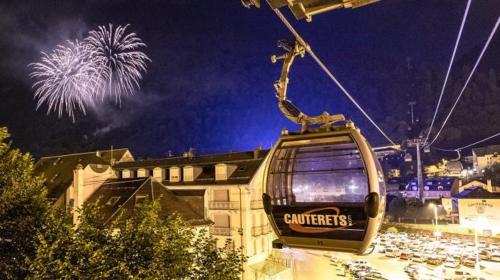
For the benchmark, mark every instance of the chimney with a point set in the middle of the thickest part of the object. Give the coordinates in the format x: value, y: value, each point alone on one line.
x: 256, y: 152
x: 189, y: 153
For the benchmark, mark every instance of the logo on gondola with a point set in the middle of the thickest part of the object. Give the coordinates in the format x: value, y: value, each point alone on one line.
x: 309, y: 222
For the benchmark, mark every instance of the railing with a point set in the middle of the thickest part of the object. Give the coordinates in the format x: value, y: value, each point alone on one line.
x: 256, y: 204
x: 225, y: 205
x: 266, y: 229
x: 256, y: 231
x: 224, y: 231
x: 260, y: 230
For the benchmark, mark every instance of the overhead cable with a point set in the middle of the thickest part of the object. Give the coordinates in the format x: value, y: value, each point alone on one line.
x: 449, y: 69
x: 327, y: 71
x: 469, y: 145
x: 467, y: 81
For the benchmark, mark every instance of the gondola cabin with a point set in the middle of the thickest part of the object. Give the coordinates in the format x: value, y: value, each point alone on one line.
x: 324, y: 190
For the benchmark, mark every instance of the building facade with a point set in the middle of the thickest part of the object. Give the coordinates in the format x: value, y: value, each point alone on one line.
x: 223, y: 189
x: 485, y: 157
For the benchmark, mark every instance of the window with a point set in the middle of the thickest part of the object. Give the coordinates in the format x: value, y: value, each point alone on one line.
x: 140, y: 199
x: 318, y: 172
x: 221, y: 195
x: 112, y: 201
x: 222, y: 221
x: 54, y: 177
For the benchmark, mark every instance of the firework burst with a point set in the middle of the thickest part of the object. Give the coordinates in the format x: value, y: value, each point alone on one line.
x: 67, y: 78
x: 108, y: 63
x: 121, y: 62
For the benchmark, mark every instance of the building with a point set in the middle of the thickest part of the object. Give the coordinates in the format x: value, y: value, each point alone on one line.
x: 485, y: 157
x: 71, y: 179
x: 435, y: 188
x: 223, y: 190
x: 478, y: 209
x: 445, y: 168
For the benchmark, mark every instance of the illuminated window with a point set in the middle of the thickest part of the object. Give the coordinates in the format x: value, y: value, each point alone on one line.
x: 140, y: 199
x: 112, y: 201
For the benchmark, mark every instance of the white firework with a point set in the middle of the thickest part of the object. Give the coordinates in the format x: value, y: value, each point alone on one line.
x: 67, y: 79
x: 120, y: 60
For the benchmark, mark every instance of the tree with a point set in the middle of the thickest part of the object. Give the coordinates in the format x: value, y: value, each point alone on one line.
x: 23, y: 209
x: 397, y: 207
x: 144, y: 246
x: 414, y: 208
x: 493, y: 172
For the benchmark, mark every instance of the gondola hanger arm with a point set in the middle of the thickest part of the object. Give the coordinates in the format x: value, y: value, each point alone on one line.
x: 291, y: 111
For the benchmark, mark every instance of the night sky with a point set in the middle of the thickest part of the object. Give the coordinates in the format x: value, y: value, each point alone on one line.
x: 210, y: 83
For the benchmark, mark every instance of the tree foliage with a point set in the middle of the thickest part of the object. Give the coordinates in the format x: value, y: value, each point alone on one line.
x: 143, y: 246
x: 397, y: 207
x: 38, y: 241
x: 493, y: 173
x: 23, y: 208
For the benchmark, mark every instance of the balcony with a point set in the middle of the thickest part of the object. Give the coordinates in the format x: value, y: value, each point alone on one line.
x: 223, y: 231
x: 266, y: 229
x: 256, y: 231
x: 261, y: 230
x: 256, y: 204
x: 223, y: 205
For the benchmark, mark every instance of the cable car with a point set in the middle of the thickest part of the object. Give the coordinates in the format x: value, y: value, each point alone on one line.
x: 324, y: 189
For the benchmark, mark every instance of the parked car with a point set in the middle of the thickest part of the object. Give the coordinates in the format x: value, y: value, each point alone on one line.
x: 452, y: 262
x: 434, y: 260
x: 410, y: 267
x: 469, y: 261
x: 485, y: 255
x: 495, y: 256
x: 358, y: 262
x: 392, y: 252
x: 405, y: 255
x: 460, y: 274
x: 418, y: 258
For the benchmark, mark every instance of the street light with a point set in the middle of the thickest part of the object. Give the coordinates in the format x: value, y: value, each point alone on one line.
x: 436, y: 232
x: 480, y: 223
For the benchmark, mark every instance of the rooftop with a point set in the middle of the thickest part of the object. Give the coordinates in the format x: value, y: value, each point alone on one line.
x: 476, y: 192
x: 488, y: 150
x: 120, y: 196
x: 58, y: 170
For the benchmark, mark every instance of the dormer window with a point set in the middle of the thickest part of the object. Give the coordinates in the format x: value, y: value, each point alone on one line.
x: 175, y: 174
x: 223, y: 171
x: 54, y: 177
x: 140, y: 199
x: 191, y: 173
x: 142, y: 173
x: 159, y: 173
x: 112, y: 201
x: 127, y: 173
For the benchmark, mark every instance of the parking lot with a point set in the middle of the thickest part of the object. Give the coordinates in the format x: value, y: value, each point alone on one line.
x: 423, y: 257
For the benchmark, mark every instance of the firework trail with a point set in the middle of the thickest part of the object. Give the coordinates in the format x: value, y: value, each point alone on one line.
x: 108, y: 63
x: 120, y: 61
x: 67, y: 78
